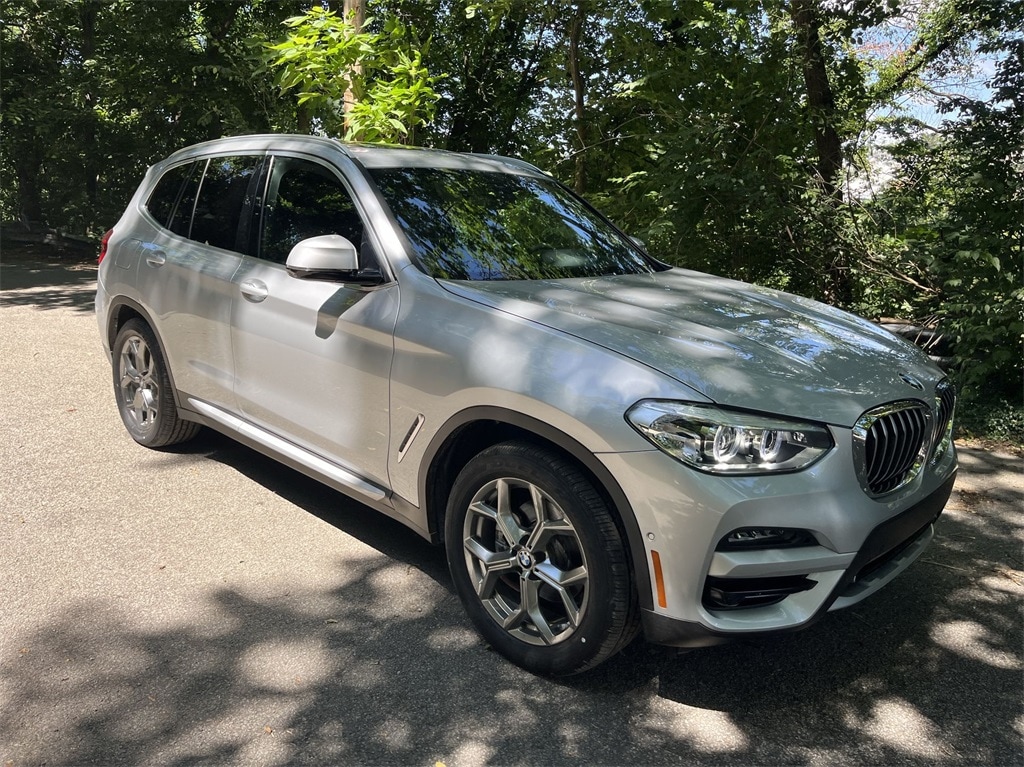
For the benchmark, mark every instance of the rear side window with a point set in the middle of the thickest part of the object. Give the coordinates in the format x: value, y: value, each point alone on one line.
x: 222, y: 195
x: 161, y: 203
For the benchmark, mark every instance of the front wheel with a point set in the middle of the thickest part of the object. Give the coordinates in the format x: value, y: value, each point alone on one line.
x: 142, y: 388
x: 538, y: 560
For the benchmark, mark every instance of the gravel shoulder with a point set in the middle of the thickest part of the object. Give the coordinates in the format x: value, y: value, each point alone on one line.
x: 205, y: 605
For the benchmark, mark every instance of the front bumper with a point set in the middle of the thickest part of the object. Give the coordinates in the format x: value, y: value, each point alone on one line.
x: 856, y: 544
x: 889, y: 549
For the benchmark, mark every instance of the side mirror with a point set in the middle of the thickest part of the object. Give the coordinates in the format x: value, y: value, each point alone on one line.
x: 329, y: 257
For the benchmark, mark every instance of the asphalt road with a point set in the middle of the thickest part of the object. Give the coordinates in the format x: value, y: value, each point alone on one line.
x: 206, y: 606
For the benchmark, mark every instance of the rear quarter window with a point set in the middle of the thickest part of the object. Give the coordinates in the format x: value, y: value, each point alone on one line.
x: 165, y: 197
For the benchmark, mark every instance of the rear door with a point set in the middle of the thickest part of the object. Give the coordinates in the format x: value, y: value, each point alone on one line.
x: 187, y: 265
x: 313, y: 358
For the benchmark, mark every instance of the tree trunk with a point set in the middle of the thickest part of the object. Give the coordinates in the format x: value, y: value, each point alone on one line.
x: 87, y: 16
x: 486, y: 105
x: 356, y: 10
x: 303, y: 119
x: 820, y: 100
x: 838, y: 283
x: 218, y: 19
x: 28, y: 165
x: 579, y: 96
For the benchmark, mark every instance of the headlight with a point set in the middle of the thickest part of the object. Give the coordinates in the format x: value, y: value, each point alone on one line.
x: 721, y: 441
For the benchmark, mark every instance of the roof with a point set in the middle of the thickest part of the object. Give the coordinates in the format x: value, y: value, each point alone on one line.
x: 368, y: 155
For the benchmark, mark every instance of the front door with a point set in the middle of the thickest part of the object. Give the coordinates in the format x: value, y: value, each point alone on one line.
x: 313, y: 358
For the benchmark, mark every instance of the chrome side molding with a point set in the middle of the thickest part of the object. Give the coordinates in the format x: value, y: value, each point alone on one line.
x: 304, y: 457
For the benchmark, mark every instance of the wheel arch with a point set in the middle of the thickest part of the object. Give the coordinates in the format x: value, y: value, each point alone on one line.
x: 121, y: 310
x: 472, y: 430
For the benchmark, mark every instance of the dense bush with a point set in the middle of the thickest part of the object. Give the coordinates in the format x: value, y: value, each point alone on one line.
x: 991, y: 418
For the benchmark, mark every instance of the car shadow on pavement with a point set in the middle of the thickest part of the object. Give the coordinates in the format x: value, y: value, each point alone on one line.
x: 349, y: 516
x: 380, y: 666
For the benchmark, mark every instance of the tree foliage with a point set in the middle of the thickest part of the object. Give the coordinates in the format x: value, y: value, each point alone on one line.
x: 721, y: 132
x: 327, y: 63
x: 956, y: 215
x: 94, y: 91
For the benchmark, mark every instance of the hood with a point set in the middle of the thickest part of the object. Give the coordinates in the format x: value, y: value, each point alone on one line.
x: 739, y: 345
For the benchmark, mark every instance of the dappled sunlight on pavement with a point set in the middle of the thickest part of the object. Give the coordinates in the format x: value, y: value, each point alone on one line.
x: 206, y: 605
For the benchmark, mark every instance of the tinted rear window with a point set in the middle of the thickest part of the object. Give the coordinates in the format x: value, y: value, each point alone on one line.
x: 221, y: 198
x: 162, y: 201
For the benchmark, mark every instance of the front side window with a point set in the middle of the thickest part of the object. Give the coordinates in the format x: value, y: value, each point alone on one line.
x: 485, y: 225
x: 222, y: 197
x: 304, y: 199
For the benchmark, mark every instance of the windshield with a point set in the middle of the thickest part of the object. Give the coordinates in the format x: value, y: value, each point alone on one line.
x: 483, y: 225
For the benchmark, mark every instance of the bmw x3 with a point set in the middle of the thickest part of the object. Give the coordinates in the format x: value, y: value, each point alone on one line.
x: 604, y: 445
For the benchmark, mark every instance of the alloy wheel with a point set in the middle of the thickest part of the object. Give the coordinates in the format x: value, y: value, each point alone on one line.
x: 525, y: 561
x: 140, y: 392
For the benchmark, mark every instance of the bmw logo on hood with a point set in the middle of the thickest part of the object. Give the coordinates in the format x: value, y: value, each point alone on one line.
x: 909, y: 380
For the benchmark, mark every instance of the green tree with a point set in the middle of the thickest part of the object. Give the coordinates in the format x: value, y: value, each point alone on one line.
x: 326, y: 62
x: 94, y: 91
x: 955, y: 213
x: 724, y: 173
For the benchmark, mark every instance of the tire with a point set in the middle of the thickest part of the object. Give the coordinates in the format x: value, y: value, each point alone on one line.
x: 551, y: 591
x: 142, y: 388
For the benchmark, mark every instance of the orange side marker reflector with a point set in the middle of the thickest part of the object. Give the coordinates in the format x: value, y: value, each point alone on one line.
x: 659, y: 579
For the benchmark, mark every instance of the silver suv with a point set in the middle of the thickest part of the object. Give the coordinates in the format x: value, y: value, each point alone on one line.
x: 603, y: 444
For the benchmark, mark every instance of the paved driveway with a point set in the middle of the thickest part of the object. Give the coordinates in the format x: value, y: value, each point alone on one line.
x: 204, y: 605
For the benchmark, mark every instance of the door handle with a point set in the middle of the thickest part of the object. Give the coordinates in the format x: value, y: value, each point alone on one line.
x: 156, y: 257
x: 254, y: 290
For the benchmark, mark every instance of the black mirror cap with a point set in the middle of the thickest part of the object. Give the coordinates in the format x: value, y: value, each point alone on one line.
x: 361, y: 277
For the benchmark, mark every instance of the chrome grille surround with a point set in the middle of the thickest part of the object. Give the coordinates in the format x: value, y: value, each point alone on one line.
x: 891, y: 445
x: 945, y: 404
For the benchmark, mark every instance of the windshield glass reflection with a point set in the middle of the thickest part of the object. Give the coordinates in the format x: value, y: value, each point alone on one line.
x: 479, y: 225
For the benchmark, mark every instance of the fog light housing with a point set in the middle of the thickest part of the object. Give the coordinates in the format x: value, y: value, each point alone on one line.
x: 745, y: 593
x: 755, y: 538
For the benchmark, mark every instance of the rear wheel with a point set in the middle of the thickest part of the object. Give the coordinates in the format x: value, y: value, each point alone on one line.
x: 142, y: 389
x: 538, y: 561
